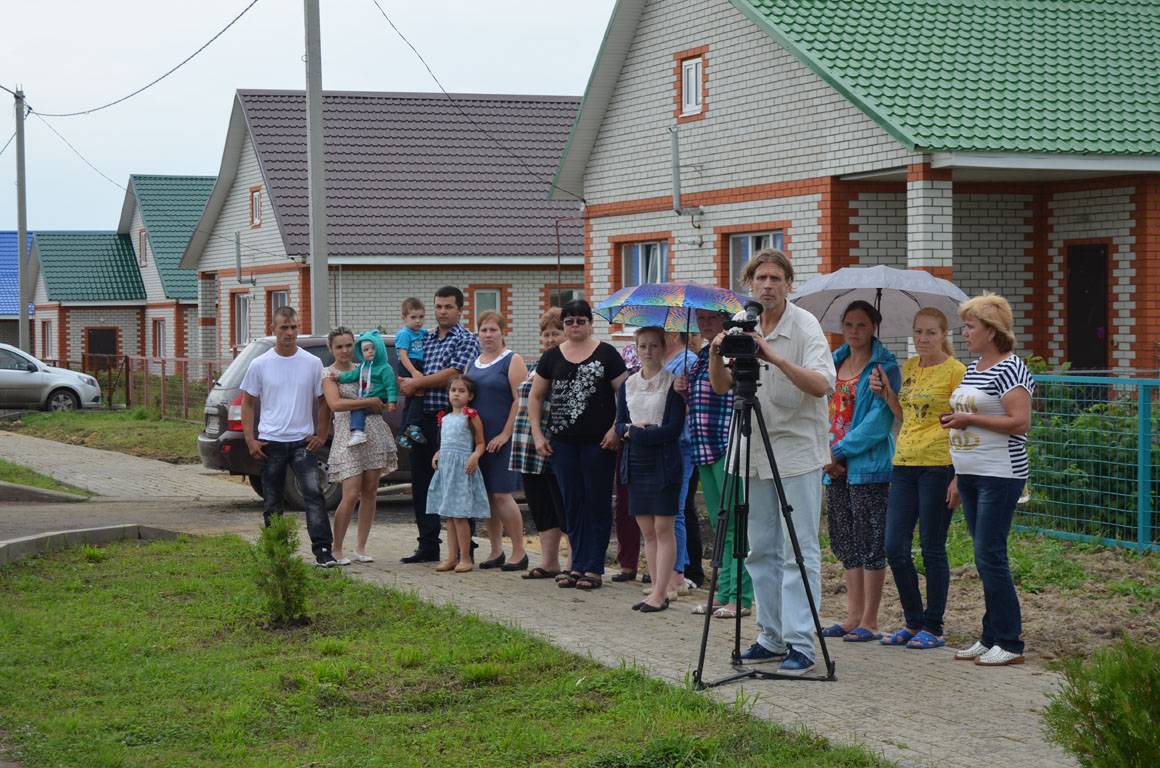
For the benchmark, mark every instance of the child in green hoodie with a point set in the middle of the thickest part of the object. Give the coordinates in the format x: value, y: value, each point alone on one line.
x: 375, y: 379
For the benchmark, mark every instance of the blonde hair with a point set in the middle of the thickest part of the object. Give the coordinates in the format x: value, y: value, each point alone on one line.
x: 941, y: 319
x: 650, y: 329
x: 993, y: 311
x: 551, y: 319
x: 490, y: 315
x: 767, y: 256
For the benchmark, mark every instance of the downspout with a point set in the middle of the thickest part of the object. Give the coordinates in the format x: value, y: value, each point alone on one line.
x: 559, y: 268
x: 676, y: 159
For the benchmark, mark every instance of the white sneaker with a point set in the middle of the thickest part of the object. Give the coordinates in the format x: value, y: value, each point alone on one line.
x: 997, y: 657
x: 363, y: 558
x: 343, y: 561
x: 357, y: 438
x: 972, y: 653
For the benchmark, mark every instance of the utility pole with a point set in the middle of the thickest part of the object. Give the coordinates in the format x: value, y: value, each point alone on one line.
x: 315, y: 174
x: 21, y: 229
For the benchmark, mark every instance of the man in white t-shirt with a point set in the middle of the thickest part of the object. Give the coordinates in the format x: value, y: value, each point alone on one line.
x: 287, y: 381
x: 794, y: 385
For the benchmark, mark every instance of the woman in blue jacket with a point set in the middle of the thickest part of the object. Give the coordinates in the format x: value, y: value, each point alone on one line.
x: 650, y: 417
x: 858, y: 475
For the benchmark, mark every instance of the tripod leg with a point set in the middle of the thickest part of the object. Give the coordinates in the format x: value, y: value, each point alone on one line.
x: 787, y: 514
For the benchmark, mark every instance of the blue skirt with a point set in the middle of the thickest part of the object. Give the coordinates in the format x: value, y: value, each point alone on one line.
x: 647, y: 492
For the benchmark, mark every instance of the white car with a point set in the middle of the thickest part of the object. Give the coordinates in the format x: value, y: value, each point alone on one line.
x: 25, y: 382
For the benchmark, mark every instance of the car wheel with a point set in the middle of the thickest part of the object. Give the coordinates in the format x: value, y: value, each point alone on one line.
x: 331, y: 492
x: 63, y: 400
x: 256, y: 484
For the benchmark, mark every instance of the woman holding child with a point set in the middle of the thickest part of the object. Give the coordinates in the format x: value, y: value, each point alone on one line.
x: 497, y: 374
x: 357, y: 467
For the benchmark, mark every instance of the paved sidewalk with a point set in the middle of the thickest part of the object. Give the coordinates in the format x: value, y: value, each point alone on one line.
x: 919, y: 708
x: 117, y: 475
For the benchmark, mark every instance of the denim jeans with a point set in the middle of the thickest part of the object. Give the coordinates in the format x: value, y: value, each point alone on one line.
x: 783, y: 612
x: 305, y: 468
x: 919, y: 495
x: 358, y: 419
x: 679, y: 522
x: 585, y: 472
x: 988, y: 506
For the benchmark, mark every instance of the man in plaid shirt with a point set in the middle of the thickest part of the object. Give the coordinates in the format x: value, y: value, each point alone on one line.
x: 446, y: 353
x: 709, y: 417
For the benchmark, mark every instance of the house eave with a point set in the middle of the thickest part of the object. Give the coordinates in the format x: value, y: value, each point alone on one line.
x: 423, y: 262
x: 1047, y: 161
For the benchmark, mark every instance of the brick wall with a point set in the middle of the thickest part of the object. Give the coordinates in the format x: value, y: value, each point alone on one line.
x: 127, y: 321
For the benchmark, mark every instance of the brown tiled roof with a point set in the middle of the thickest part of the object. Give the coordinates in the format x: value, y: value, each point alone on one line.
x: 408, y: 176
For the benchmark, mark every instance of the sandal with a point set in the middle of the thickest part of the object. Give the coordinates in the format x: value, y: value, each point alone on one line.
x: 901, y: 637
x: 540, y: 573
x: 729, y: 613
x: 584, y: 581
x: 567, y: 580
x: 924, y: 640
x: 861, y: 635
x: 834, y: 630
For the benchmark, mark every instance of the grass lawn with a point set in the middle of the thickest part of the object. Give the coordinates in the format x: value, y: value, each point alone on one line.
x: 14, y: 473
x: 158, y: 655
x: 137, y: 433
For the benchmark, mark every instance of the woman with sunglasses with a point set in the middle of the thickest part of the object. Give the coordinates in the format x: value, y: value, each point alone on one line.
x: 580, y: 379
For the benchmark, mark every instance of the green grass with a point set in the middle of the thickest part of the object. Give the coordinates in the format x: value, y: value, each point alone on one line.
x: 137, y: 432
x: 14, y: 473
x: 159, y: 655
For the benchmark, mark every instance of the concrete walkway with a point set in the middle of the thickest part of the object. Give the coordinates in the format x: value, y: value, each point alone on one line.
x: 919, y: 708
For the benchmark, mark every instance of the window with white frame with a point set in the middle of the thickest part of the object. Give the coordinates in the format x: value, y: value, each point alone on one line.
x: 241, y: 319
x: 255, y: 207
x: 484, y: 299
x: 645, y: 263
x: 159, y: 337
x: 47, y: 347
x: 691, y: 86
x: 558, y: 297
x: 741, y: 250
x: 278, y: 299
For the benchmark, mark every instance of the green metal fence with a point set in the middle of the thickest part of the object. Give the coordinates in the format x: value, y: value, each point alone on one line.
x: 1095, y: 462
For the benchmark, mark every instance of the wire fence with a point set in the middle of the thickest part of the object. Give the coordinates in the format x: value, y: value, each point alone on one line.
x: 1095, y: 466
x: 175, y: 387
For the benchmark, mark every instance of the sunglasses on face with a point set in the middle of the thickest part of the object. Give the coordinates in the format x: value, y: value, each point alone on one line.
x: 575, y: 321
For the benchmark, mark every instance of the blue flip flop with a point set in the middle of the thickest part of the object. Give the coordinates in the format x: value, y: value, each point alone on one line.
x: 834, y: 630
x: 901, y: 637
x: 861, y: 635
x: 925, y: 640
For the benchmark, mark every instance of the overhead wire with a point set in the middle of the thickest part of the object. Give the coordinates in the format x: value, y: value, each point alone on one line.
x: 10, y: 138
x: 463, y: 112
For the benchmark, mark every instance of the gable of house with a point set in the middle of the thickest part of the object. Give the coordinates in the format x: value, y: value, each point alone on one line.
x: 88, y: 266
x: 160, y: 213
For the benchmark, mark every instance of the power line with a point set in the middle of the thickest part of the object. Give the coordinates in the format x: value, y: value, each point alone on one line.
x: 77, y: 152
x: 8, y: 89
x: 455, y: 104
x: 10, y: 138
x: 158, y: 80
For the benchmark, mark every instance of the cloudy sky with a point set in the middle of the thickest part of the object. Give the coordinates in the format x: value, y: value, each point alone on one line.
x: 72, y: 55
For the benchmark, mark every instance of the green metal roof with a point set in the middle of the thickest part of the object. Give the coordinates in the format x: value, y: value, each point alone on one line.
x: 1065, y: 76
x: 89, y: 266
x: 170, y: 208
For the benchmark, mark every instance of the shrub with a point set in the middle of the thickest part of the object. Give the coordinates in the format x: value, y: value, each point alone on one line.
x: 1107, y: 710
x: 280, y: 574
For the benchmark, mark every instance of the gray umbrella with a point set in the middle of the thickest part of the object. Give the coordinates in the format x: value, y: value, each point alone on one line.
x: 897, y: 293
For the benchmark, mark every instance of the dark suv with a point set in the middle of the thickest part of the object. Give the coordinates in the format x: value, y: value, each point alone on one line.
x: 221, y: 444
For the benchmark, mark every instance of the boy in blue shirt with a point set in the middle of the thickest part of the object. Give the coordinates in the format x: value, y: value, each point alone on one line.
x: 409, y: 347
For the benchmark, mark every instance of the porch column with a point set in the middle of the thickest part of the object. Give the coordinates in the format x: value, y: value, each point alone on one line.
x: 929, y: 220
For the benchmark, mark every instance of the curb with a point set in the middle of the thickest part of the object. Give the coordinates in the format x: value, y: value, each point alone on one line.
x: 18, y: 549
x: 27, y: 493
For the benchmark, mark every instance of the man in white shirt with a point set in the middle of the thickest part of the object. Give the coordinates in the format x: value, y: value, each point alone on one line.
x: 792, y: 394
x: 287, y: 381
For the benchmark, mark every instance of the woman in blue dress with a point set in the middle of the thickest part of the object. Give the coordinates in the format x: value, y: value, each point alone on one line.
x: 650, y: 417
x: 497, y: 374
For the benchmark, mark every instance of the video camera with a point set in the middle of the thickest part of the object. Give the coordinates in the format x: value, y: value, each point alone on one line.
x: 741, y: 349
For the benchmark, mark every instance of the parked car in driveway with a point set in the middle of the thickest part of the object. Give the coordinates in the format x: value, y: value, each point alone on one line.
x: 25, y: 382
x: 221, y: 444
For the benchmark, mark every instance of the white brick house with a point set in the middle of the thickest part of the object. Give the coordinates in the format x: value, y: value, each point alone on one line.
x: 419, y: 195
x: 854, y: 141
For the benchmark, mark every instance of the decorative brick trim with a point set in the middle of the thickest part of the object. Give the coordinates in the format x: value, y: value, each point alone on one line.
x: 263, y: 269
x: 836, y: 238
x: 161, y: 305
x: 1147, y: 281
x: 721, y: 258
x: 269, y: 308
x: 505, y: 303
x: 207, y: 321
x: 180, y: 331
x: 305, y: 321
x: 62, y: 334
x: 250, y: 204
x: 140, y: 333
x: 589, y: 254
x: 1039, y: 334
x: 923, y: 172
x: 701, y: 52
x: 721, y: 196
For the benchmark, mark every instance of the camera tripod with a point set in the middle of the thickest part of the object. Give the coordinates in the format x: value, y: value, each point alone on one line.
x: 741, y: 425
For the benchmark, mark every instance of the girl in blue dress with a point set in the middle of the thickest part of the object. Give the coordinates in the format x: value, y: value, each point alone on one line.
x: 456, y: 492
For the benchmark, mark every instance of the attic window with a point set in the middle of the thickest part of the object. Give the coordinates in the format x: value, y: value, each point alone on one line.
x: 255, y: 207
x: 142, y: 248
x: 691, y: 81
x: 691, y: 86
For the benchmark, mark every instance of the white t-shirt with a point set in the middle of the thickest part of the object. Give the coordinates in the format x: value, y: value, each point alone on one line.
x: 979, y: 451
x: 798, y: 423
x: 288, y: 387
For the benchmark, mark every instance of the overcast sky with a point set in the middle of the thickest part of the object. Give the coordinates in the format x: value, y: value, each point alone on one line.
x: 71, y: 55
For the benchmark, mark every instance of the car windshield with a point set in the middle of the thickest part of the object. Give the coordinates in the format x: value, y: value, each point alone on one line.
x: 236, y: 371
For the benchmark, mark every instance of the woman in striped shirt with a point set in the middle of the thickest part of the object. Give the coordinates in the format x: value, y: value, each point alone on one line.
x: 988, y: 436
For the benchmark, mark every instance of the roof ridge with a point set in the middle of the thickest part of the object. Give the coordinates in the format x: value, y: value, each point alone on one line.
x: 416, y: 95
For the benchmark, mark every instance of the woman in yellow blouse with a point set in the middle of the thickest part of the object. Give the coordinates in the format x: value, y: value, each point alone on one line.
x: 920, y: 486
